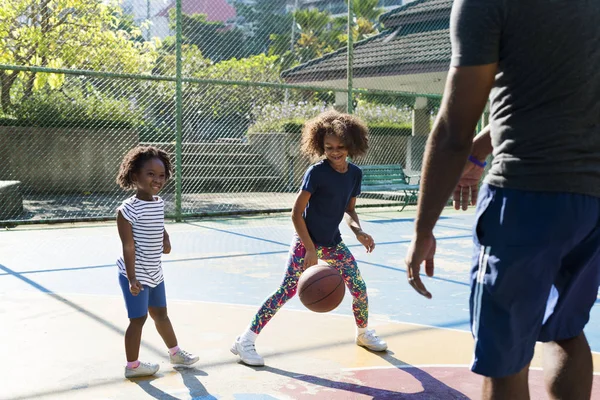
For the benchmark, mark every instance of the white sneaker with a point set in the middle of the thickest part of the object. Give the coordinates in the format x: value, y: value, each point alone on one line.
x: 371, y: 341
x: 182, y: 357
x: 144, y: 369
x: 247, y: 352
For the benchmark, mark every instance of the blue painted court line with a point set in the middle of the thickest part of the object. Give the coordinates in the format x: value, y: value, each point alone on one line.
x: 404, y: 270
x: 288, y: 244
x: 461, y: 228
x: 239, y: 234
x: 75, y: 306
x: 36, y: 285
x: 39, y: 271
x: 387, y: 221
x: 164, y: 262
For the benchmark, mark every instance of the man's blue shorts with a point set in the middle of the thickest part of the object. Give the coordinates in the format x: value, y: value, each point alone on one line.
x: 535, y: 275
x: 137, y: 306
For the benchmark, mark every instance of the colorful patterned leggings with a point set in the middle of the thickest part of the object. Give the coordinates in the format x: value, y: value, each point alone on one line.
x: 338, y: 257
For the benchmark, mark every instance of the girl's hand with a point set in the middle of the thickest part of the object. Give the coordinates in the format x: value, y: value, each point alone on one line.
x: 166, y: 245
x: 135, y: 287
x: 366, y: 240
x: 310, y: 258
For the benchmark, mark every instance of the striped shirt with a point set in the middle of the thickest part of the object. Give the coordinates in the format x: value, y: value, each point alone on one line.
x: 147, y: 219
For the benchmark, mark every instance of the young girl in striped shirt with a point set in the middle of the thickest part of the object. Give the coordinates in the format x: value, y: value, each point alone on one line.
x: 140, y: 220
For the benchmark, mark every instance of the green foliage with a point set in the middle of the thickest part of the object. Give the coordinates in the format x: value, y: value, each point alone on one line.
x: 85, y: 34
x: 235, y: 100
x: 75, y: 109
x: 214, y: 39
x: 261, y: 21
x: 192, y: 59
x: 381, y: 128
x: 290, y: 117
x: 318, y: 33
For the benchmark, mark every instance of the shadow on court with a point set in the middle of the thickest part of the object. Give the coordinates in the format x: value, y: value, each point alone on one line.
x: 190, y: 379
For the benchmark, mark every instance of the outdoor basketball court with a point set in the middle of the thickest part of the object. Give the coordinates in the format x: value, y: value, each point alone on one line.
x: 62, y: 316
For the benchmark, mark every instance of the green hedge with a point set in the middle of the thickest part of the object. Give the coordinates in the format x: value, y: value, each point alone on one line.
x: 69, y: 123
x: 82, y: 110
x: 374, y: 128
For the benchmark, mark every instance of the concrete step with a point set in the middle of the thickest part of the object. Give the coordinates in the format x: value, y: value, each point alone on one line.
x: 222, y: 167
x: 231, y: 184
x: 11, y: 200
x: 211, y: 148
x: 222, y: 159
x: 240, y: 170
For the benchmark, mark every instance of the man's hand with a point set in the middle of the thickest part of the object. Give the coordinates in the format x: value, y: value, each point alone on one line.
x: 310, y: 258
x: 135, y: 287
x: 466, y: 191
x: 422, y: 248
x: 366, y: 240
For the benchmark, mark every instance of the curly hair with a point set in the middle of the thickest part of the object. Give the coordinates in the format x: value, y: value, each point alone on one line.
x: 348, y: 128
x: 135, y: 159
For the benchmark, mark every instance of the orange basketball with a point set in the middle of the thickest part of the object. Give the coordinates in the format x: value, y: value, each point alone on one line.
x: 321, y: 288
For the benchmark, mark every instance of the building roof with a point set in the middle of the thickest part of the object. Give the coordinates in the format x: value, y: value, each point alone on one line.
x: 416, y: 11
x: 215, y: 10
x: 414, y: 46
x: 389, y: 53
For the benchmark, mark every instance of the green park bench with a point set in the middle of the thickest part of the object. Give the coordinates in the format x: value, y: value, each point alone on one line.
x: 389, y: 179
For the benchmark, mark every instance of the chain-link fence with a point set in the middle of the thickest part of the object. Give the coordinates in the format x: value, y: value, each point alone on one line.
x: 223, y: 85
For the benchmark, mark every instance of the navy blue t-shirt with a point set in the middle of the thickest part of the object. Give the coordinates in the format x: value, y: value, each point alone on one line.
x: 331, y: 192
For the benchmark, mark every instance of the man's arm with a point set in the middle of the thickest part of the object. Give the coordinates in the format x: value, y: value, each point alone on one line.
x: 451, y: 140
x: 475, y: 33
x: 482, y: 145
x: 467, y: 190
x: 448, y: 146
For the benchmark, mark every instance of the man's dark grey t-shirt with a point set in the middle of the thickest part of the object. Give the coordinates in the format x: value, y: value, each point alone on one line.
x: 545, y: 104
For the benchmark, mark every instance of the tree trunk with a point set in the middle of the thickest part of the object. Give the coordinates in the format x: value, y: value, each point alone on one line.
x: 6, y: 81
x: 29, y: 86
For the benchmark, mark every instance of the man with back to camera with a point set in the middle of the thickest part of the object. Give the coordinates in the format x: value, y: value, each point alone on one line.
x: 536, y: 260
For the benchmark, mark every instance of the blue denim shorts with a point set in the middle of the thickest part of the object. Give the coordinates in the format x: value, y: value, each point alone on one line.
x: 137, y: 306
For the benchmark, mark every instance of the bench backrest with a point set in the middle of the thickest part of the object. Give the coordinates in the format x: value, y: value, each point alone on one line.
x: 383, y: 174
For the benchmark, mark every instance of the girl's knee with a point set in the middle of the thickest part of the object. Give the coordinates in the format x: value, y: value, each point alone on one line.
x: 138, y: 322
x: 359, y: 290
x: 158, y: 313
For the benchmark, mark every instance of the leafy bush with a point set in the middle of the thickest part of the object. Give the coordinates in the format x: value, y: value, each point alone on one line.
x: 379, y: 128
x: 281, y: 117
x: 50, y: 108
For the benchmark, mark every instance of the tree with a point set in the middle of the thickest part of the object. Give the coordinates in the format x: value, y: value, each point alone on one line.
x: 319, y: 33
x: 260, y: 21
x: 214, y: 39
x: 81, y: 34
x: 235, y: 100
x: 315, y: 38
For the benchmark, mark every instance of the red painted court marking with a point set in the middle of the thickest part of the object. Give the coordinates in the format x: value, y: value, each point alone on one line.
x: 404, y: 382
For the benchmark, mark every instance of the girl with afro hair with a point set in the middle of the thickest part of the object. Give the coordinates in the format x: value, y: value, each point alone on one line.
x: 327, y: 195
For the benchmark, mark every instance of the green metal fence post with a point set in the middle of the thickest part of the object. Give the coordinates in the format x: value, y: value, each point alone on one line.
x: 178, y: 114
x: 350, y: 105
